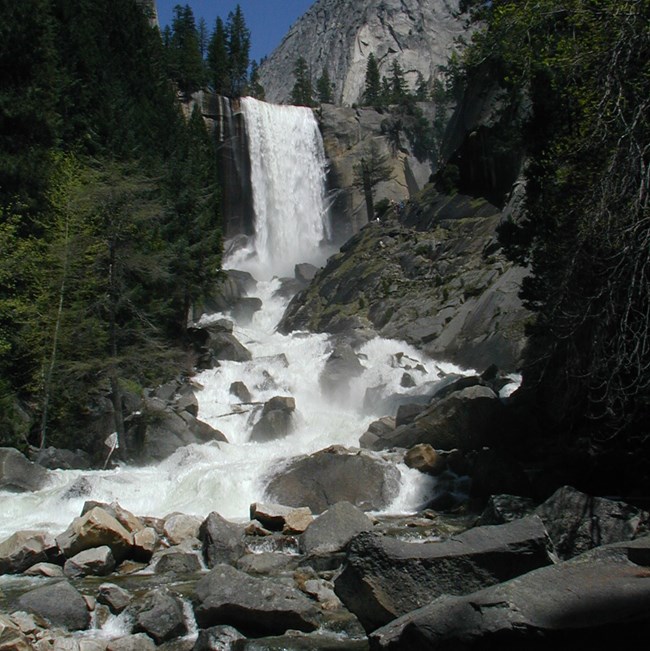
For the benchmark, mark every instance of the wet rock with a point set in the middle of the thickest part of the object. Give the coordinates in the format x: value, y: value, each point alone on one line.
x: 98, y: 561
x: 277, y: 517
x: 59, y: 458
x: 178, y: 563
x: 217, y: 638
x: 223, y: 541
x: 226, y: 347
x: 145, y: 543
x: 139, y: 642
x: 45, y: 569
x: 60, y: 603
x: 577, y: 522
x: 189, y: 403
x: 377, y: 430
x: 335, y: 475
x: 305, y: 272
x: 505, y: 508
x: 385, y: 578
x: 333, y: 530
x: 424, y: 458
x: 465, y: 420
x: 241, y: 392
x: 407, y: 381
x: 159, y: 615
x: 276, y: 421
x: 95, y: 529
x: 266, y: 563
x: 407, y: 413
x: 18, y: 474
x: 341, y: 366
x: 24, y: 549
x: 593, y: 601
x: 255, y: 606
x: 11, y: 637
x: 245, y: 308
x: 179, y: 527
x: 116, y: 598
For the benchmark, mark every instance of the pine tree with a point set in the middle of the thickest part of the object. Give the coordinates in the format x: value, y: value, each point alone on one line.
x: 324, y: 88
x: 373, y: 92
x: 302, y: 93
x: 421, y: 88
x: 186, y: 63
x: 238, y: 42
x: 218, y: 59
x: 371, y: 170
x: 398, y: 86
x: 255, y: 89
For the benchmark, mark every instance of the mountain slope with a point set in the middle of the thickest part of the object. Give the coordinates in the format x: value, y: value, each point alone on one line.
x: 340, y: 35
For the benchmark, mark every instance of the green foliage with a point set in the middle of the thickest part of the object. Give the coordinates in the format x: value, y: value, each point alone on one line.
x: 302, y: 93
x: 585, y: 68
x: 372, y: 94
x: 218, y: 63
x: 238, y: 46
x: 255, y: 88
x: 324, y: 88
x: 184, y: 57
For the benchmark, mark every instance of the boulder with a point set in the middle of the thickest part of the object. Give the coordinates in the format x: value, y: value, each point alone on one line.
x: 178, y: 563
x: 577, y: 522
x: 226, y: 347
x: 139, y: 642
x: 592, y: 601
x: 341, y: 366
x: 241, y: 392
x: 18, y: 474
x: 255, y: 606
x: 335, y: 475
x: 223, y: 541
x: 116, y: 598
x: 160, y: 615
x: 60, y: 603
x: 179, y: 527
x: 97, y: 561
x: 331, y: 531
x: 145, y: 543
x: 464, y: 420
x: 377, y: 430
x: 188, y: 403
x: 95, y: 529
x: 305, y: 272
x: 24, y: 549
x: 277, y: 517
x: 424, y: 458
x: 59, y: 458
x: 407, y: 413
x: 505, y: 508
x: 45, y: 569
x: 217, y: 637
x: 276, y: 421
x: 273, y: 563
x: 11, y: 637
x: 385, y: 577
x: 245, y: 308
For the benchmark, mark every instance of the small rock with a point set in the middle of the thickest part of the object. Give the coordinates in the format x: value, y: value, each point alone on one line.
x: 241, y: 392
x: 116, y: 598
x: 179, y: 527
x: 424, y: 458
x: 159, y: 615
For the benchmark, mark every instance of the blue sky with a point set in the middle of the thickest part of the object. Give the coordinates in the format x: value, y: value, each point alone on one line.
x: 268, y: 20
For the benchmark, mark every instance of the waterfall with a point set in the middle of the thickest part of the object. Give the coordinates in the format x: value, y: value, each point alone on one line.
x: 288, y: 169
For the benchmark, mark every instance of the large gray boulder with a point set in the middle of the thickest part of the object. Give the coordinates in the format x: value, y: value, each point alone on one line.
x: 60, y: 603
x: 222, y: 540
x: 577, y: 522
x: 463, y: 420
x: 98, y: 561
x: 596, y: 600
x: 335, y: 475
x: 332, y: 531
x: 160, y: 615
x: 19, y: 474
x: 276, y: 420
x: 254, y: 606
x: 226, y: 347
x: 24, y: 549
x: 385, y: 578
x: 341, y: 366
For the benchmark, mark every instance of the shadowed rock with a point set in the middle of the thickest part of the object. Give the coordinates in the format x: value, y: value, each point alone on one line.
x: 223, y: 541
x: 60, y: 603
x: 18, y: 474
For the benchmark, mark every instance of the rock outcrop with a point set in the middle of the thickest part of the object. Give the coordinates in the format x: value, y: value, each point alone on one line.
x: 340, y: 35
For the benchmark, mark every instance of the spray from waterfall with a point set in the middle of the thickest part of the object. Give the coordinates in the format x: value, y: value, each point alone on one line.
x: 288, y: 170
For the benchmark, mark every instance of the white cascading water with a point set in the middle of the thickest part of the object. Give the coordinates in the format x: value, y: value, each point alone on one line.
x: 289, y: 193
x: 288, y: 180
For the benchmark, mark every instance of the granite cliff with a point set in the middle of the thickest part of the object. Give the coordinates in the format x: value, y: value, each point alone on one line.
x: 340, y: 35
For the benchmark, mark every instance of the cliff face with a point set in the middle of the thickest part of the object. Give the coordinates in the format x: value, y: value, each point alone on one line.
x: 340, y: 35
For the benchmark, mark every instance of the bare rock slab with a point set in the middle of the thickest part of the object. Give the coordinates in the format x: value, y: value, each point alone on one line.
x: 593, y: 601
x: 335, y: 475
x: 385, y: 577
x: 254, y: 606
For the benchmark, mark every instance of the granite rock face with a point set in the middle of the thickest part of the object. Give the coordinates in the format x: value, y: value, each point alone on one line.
x: 340, y: 35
